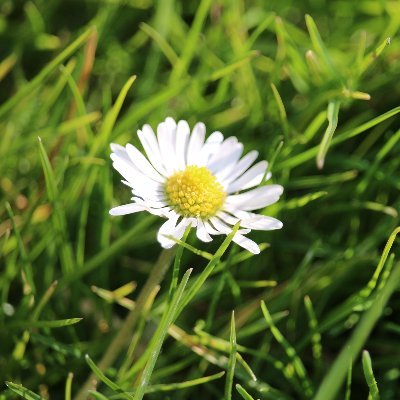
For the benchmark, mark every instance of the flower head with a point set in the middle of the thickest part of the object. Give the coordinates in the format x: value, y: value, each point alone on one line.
x: 194, y: 181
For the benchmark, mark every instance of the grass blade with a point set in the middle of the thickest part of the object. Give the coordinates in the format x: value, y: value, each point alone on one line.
x: 319, y: 46
x: 332, y: 116
x: 68, y: 386
x: 23, y: 391
x: 104, y: 379
x: 59, y: 323
x: 369, y: 376
x: 232, y: 360
x: 60, y: 223
x: 27, y: 270
x: 182, y: 385
x: 245, y: 395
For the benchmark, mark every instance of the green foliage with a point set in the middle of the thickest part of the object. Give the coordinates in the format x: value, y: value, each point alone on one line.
x: 313, y: 86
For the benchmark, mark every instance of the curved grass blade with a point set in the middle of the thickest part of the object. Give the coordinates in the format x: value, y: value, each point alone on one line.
x: 332, y: 116
x: 58, y: 323
x: 319, y: 46
x: 68, y: 386
x: 369, y: 376
x: 108, y: 382
x: 23, y: 391
x: 110, y: 118
x: 27, y: 275
x: 183, y: 385
x: 243, y: 392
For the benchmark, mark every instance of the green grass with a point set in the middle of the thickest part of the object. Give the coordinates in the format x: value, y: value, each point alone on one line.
x: 313, y: 86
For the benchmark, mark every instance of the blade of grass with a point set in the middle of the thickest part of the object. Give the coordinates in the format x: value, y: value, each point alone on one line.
x: 27, y: 270
x: 164, y: 46
x: 319, y: 46
x: 176, y: 268
x: 245, y: 395
x: 108, y: 382
x: 43, y: 324
x: 348, y: 383
x: 66, y: 254
x: 183, y: 385
x: 316, y: 336
x: 332, y: 116
x: 232, y: 360
x: 110, y: 118
x: 23, y: 391
x: 68, y: 386
x: 369, y: 376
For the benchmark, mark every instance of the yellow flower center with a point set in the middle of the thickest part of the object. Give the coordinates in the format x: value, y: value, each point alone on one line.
x: 195, y: 192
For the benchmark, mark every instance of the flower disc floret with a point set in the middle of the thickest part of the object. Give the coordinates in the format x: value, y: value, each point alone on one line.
x: 195, y: 192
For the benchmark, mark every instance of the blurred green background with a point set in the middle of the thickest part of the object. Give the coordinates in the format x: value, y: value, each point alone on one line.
x: 258, y: 70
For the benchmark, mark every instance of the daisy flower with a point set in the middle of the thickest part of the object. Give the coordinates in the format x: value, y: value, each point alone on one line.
x: 194, y: 181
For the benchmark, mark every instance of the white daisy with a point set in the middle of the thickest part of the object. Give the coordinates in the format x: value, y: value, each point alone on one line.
x: 191, y: 180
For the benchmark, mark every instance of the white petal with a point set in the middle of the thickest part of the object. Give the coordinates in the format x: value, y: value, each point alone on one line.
x: 227, y: 218
x: 240, y: 167
x: 142, y: 164
x: 251, y: 178
x: 246, y: 243
x: 166, y: 135
x: 126, y: 209
x: 254, y: 199
x: 258, y: 222
x: 230, y: 164
x: 182, y: 140
x: 202, y: 231
x: 166, y: 229
x: 211, y: 146
x: 132, y: 174
x: 160, y: 211
x: 196, y: 142
x: 177, y: 232
x: 210, y: 230
x: 226, y: 154
x: 220, y: 226
x: 120, y: 152
x: 150, y: 146
x: 150, y: 203
x: 171, y: 124
x: 135, y: 179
